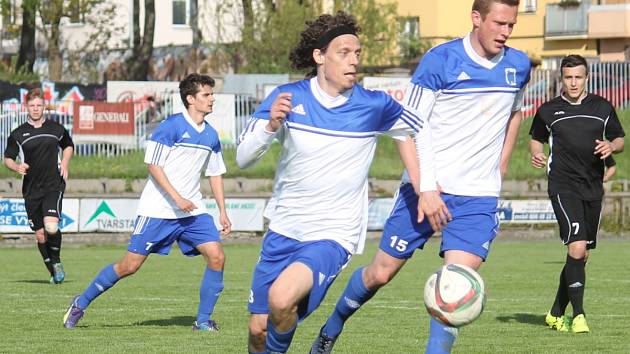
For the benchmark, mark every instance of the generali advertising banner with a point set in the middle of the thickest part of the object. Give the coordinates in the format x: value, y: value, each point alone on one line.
x: 96, y: 122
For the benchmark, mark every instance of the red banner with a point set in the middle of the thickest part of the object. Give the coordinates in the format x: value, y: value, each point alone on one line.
x: 102, y: 118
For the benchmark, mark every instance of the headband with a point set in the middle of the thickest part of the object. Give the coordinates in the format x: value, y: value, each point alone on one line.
x: 327, y: 37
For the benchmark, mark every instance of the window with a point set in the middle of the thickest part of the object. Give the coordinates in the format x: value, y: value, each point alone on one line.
x: 180, y: 12
x: 528, y: 6
x: 409, y: 43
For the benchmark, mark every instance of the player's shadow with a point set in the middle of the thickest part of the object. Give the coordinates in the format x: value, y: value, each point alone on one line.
x: 184, y: 321
x: 37, y: 281
x: 526, y: 318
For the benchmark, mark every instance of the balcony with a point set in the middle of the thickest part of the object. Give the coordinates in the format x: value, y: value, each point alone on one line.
x: 609, y: 21
x: 567, y: 21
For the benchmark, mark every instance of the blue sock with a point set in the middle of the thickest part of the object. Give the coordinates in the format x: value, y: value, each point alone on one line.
x: 278, y: 342
x: 209, y: 291
x: 103, y: 281
x: 441, y: 338
x: 353, y: 297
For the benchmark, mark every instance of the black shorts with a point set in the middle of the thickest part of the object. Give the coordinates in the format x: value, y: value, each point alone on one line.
x: 38, y: 208
x: 578, y: 219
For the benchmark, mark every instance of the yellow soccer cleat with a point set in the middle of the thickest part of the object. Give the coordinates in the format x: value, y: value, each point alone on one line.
x: 561, y: 324
x: 579, y: 324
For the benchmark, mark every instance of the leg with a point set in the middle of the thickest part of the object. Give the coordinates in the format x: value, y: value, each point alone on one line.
x: 53, y: 235
x: 211, y: 284
x: 42, y: 246
x: 286, y: 292
x: 257, y: 333
x: 363, y: 284
x: 35, y: 219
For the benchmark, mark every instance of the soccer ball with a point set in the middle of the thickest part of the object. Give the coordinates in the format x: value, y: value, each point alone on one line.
x: 454, y: 295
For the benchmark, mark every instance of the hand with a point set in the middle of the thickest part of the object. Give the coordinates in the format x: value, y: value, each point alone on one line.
x: 604, y: 148
x: 227, y: 225
x: 433, y: 208
x: 63, y: 170
x: 610, y: 171
x: 279, y: 109
x: 22, y: 168
x: 539, y: 160
x: 185, y: 205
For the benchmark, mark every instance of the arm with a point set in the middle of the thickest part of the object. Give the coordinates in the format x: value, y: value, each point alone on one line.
x: 158, y: 175
x: 257, y: 138
x: 610, y: 172
x: 407, y: 151
x: 14, y: 166
x: 511, y: 136
x: 66, y: 155
x: 216, y: 183
x: 606, y: 148
x: 539, y: 159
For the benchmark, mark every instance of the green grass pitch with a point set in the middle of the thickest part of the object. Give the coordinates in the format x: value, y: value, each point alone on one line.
x: 152, y: 311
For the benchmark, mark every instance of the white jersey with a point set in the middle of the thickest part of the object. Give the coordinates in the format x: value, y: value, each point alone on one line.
x: 184, y: 150
x: 467, y: 101
x: 320, y: 190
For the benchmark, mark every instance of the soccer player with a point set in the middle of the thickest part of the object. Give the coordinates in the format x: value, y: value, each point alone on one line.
x: 171, y: 208
x: 470, y: 92
x: 38, y: 143
x: 327, y: 126
x: 583, y: 131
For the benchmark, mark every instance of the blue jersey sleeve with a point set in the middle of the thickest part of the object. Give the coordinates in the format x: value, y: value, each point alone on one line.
x: 165, y: 133
x: 430, y: 72
x: 391, y: 113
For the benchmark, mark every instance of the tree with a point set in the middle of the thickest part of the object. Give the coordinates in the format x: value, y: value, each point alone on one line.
x: 142, y: 50
x: 51, y: 14
x: 194, y: 24
x: 27, y: 54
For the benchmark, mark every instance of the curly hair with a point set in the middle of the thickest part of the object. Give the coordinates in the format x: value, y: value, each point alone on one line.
x: 301, y: 56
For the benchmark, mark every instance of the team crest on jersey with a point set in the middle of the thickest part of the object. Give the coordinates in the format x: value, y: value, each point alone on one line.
x: 510, y: 76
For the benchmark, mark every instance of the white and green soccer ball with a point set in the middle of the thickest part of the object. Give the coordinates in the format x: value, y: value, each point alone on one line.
x: 454, y: 295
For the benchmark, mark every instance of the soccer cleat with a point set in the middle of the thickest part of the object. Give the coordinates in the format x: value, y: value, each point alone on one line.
x: 60, y: 275
x: 579, y: 324
x: 209, y: 326
x: 73, y: 314
x: 323, y: 344
x: 52, y: 280
x: 561, y: 324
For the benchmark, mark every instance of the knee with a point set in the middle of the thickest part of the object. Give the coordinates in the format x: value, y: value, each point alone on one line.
x: 280, y: 302
x: 216, y: 261
x: 578, y: 253
x: 51, y: 227
x: 257, y: 334
x: 124, y: 269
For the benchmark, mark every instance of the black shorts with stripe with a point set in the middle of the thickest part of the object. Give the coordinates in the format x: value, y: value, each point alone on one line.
x: 47, y: 205
x: 578, y: 219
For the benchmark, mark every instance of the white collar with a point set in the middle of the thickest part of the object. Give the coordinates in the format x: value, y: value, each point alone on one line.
x: 472, y: 54
x: 579, y: 102
x: 198, y: 128
x: 327, y: 100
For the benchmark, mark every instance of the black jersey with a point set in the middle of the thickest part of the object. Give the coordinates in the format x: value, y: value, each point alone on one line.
x: 39, y: 148
x: 571, y: 130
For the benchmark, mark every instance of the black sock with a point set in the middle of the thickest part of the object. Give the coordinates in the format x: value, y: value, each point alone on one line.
x: 576, y: 281
x: 562, y: 298
x: 54, y: 246
x: 43, y: 250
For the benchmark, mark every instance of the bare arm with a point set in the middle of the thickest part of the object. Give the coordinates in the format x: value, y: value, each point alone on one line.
x: 539, y: 159
x: 408, y: 155
x: 157, y: 172
x: 14, y: 166
x: 66, y: 155
x: 511, y: 135
x: 606, y: 148
x: 216, y: 183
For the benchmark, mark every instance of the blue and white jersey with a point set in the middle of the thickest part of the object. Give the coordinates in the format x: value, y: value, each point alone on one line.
x: 184, y: 150
x: 320, y: 190
x: 467, y: 101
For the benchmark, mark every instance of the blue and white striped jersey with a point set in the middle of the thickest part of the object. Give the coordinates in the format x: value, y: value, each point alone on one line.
x: 184, y: 150
x: 320, y: 190
x: 467, y: 101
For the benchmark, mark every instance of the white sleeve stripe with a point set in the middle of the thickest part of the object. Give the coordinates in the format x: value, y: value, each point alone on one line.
x: 413, y: 117
x: 158, y: 152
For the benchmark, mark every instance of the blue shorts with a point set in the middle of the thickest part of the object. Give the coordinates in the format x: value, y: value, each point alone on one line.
x: 155, y: 235
x: 325, y: 258
x: 474, y: 226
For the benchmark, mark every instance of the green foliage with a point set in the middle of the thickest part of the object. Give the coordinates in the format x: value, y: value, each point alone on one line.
x: 10, y: 74
x: 411, y: 46
x: 153, y: 310
x: 379, y: 29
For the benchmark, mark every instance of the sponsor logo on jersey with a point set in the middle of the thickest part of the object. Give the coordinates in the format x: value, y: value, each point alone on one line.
x: 299, y: 109
x: 558, y: 113
x: 463, y: 76
x: 185, y: 135
x: 26, y: 134
x: 510, y: 76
